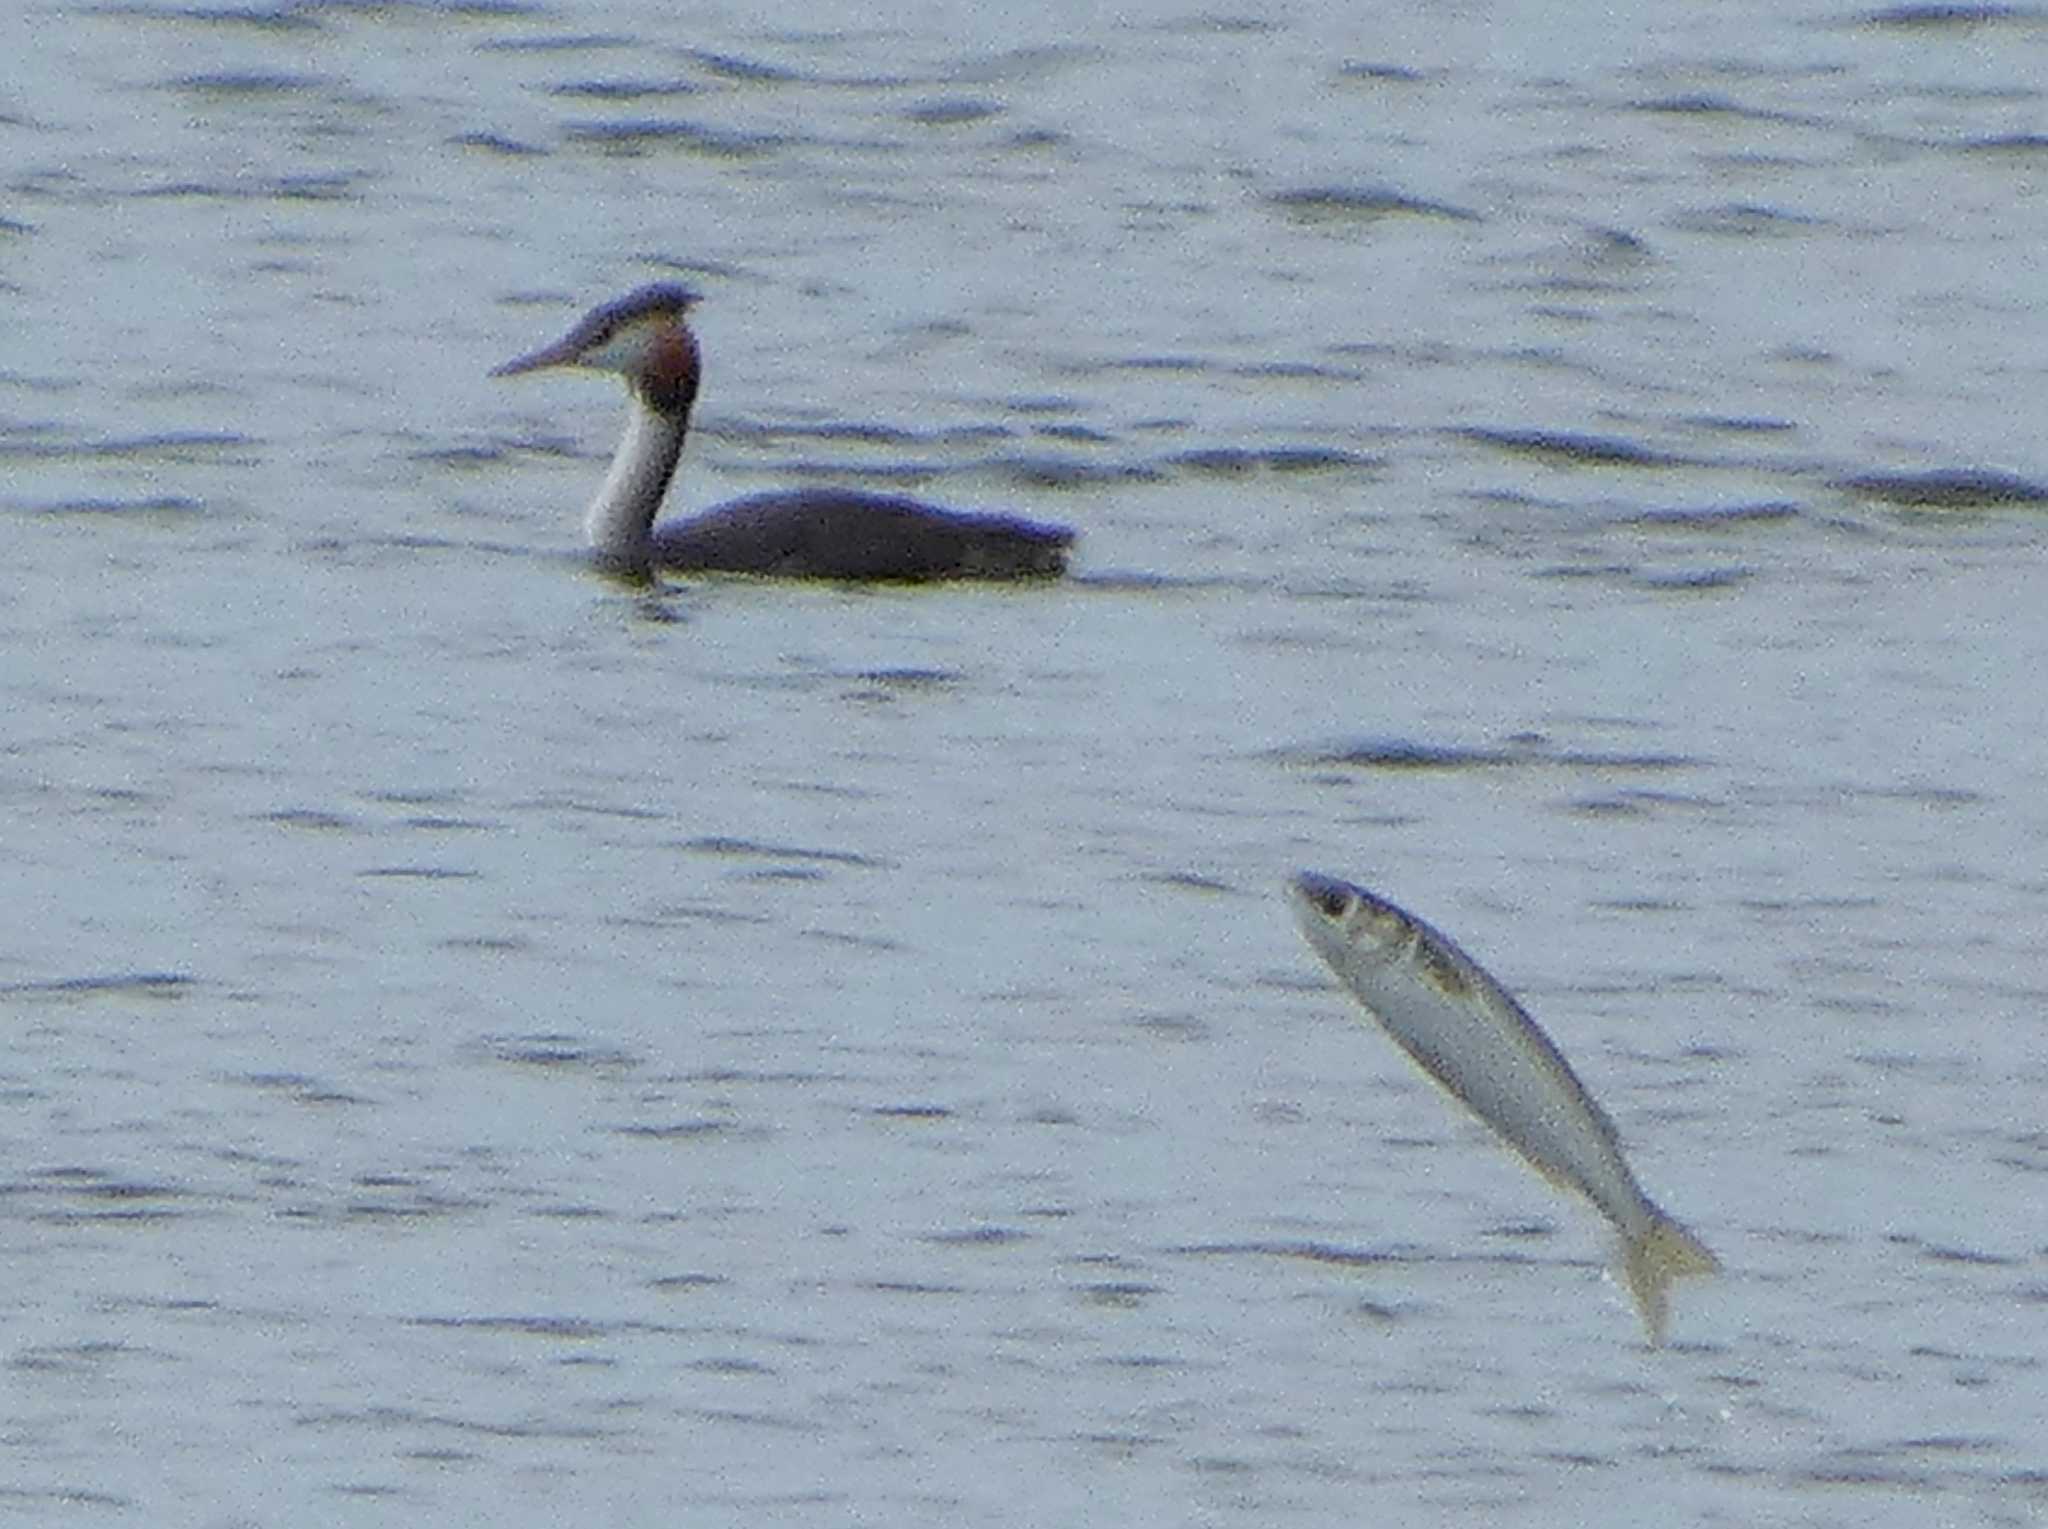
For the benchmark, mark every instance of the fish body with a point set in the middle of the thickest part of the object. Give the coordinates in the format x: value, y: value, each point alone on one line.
x: 1476, y: 1042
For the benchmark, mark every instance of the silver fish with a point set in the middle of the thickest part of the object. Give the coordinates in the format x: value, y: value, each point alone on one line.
x: 1465, y: 1030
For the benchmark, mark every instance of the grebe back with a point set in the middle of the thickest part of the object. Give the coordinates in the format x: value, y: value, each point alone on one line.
x: 819, y: 533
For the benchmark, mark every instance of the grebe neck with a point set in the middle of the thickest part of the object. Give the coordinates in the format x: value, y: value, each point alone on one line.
x: 621, y: 517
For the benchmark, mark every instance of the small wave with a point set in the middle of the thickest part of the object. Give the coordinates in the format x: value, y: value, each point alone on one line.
x: 245, y: 84
x: 953, y: 112
x: 1570, y: 447
x: 647, y: 135
x: 165, y: 505
x: 1937, y: 16
x: 1719, y: 517
x: 1946, y: 488
x: 1365, y: 204
x: 1239, y: 461
x: 1746, y: 220
x: 1522, y: 750
x: 116, y: 985
x: 624, y: 90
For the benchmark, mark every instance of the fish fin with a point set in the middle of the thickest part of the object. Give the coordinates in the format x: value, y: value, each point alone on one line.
x: 1664, y: 1252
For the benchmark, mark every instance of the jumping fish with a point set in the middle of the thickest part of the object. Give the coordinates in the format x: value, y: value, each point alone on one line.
x: 1466, y: 1031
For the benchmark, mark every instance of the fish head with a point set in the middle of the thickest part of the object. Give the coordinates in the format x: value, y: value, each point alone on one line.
x: 1346, y: 923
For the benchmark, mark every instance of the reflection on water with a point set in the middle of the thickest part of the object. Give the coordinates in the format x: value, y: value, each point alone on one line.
x: 489, y: 1042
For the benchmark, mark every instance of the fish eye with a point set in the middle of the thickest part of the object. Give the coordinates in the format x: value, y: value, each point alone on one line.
x: 1333, y: 902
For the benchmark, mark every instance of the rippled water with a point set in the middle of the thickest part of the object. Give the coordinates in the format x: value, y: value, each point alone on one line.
x: 489, y: 1044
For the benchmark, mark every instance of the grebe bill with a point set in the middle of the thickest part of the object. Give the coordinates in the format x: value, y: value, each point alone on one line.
x: 818, y: 533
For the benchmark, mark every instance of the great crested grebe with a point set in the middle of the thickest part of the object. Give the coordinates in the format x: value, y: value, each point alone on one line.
x: 816, y: 533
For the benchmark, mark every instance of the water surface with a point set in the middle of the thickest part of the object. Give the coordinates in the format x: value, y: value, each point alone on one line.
x: 490, y: 1044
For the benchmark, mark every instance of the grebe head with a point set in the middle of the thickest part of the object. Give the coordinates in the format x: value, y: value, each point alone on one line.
x: 642, y: 336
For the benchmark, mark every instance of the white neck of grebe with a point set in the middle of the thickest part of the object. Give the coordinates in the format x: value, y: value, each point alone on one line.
x: 621, y: 517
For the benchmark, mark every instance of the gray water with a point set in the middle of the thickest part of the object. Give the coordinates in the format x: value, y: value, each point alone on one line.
x: 489, y: 1044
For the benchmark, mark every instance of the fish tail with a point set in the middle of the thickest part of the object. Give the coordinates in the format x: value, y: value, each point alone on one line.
x: 1663, y: 1252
